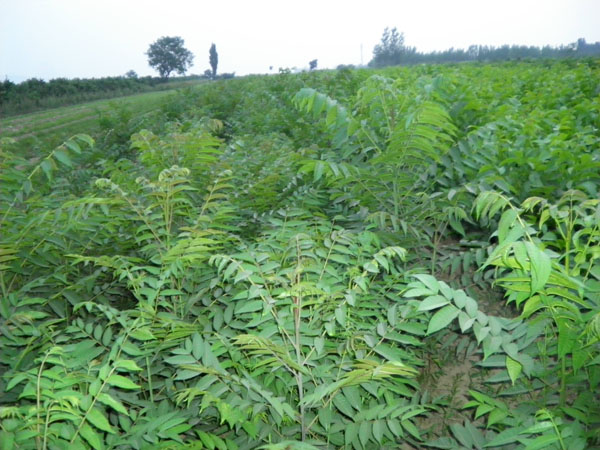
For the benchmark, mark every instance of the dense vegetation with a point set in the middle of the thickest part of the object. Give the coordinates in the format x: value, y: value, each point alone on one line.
x: 402, y: 258
x: 35, y: 94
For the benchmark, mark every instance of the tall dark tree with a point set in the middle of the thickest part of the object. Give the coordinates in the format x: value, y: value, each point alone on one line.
x: 168, y: 55
x: 312, y: 64
x: 214, y: 59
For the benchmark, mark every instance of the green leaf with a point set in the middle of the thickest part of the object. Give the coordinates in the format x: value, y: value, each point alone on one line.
x: 97, y: 418
x: 142, y: 334
x: 443, y: 443
x: 364, y: 432
x: 476, y: 435
x: 351, y: 433
x: 318, y: 171
x: 496, y: 416
x: 395, y: 427
x: 319, y: 344
x: 107, y: 400
x: 566, y: 338
x: 381, y: 259
x: 378, y: 430
x: 340, y: 315
x: 325, y: 417
x: 541, y: 267
x: 15, y: 380
x: 121, y: 382
x: 233, y: 266
x: 514, y: 234
x: 207, y: 440
x: 289, y: 445
x: 73, y: 146
x: 460, y: 298
x: 539, y: 427
x: 442, y: 318
x: 47, y: 167
x: 127, y: 364
x: 514, y: 369
x: 412, y: 328
x: 95, y: 387
x: 85, y: 138
x: 491, y: 344
x: 418, y: 292
x: 433, y: 302
x: 506, y: 222
x: 186, y: 374
x: 480, y: 332
x: 92, y: 437
x: 429, y: 281
x: 352, y: 394
x: 465, y: 321
x: 540, y: 442
x: 390, y: 353
x: 104, y: 371
x: 343, y: 405
x: 107, y: 336
x: 198, y: 349
x: 63, y: 157
x: 463, y: 435
x: 411, y: 428
x: 508, y: 436
x: 471, y: 307
x: 131, y: 349
x: 249, y: 306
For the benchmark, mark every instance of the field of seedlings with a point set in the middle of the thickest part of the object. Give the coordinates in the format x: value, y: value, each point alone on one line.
x: 404, y: 258
x: 36, y: 133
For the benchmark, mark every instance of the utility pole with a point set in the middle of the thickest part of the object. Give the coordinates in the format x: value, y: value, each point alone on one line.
x: 361, y: 54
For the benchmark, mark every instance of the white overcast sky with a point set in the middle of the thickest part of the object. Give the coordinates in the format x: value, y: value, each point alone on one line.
x: 94, y: 38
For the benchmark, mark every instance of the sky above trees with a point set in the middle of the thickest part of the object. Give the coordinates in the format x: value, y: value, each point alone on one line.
x: 74, y: 38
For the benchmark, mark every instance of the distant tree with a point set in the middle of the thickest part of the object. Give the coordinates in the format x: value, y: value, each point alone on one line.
x: 168, y: 54
x: 312, y: 64
x: 473, y: 52
x: 131, y: 74
x: 208, y: 74
x: 5, y: 87
x: 214, y: 59
x: 390, y: 51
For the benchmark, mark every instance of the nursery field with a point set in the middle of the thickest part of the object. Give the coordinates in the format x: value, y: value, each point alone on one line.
x: 38, y: 131
x: 403, y: 258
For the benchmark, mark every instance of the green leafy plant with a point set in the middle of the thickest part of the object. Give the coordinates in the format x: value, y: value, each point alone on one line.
x: 290, y: 262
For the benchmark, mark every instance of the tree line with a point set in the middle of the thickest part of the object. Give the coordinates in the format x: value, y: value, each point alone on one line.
x: 392, y: 51
x: 36, y: 93
x: 168, y: 55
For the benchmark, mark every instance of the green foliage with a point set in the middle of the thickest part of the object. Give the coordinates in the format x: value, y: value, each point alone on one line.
x: 35, y: 94
x: 545, y: 261
x: 310, y: 262
x: 381, y: 152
